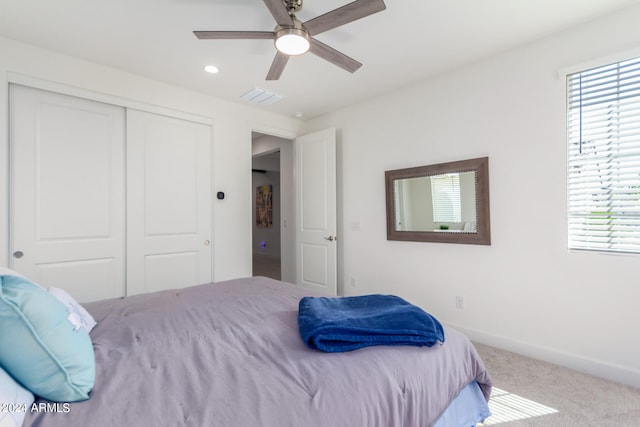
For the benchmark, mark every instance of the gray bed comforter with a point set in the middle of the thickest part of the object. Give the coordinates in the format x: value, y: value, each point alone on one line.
x: 230, y: 354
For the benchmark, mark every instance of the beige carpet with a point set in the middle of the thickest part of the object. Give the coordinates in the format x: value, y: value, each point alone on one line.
x: 573, y: 398
x: 266, y: 266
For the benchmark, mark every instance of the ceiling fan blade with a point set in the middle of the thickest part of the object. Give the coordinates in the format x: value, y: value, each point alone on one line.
x: 330, y: 54
x: 234, y: 34
x: 277, y: 67
x: 279, y: 12
x: 343, y: 15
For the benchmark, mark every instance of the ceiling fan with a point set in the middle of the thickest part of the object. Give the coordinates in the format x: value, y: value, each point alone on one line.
x: 293, y: 37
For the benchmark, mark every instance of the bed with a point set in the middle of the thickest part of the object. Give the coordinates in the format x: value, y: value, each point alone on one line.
x: 230, y: 354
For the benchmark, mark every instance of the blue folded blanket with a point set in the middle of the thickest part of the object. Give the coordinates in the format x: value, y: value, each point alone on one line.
x: 348, y: 323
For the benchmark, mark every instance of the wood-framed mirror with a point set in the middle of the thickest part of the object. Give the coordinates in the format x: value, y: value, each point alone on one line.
x: 445, y: 202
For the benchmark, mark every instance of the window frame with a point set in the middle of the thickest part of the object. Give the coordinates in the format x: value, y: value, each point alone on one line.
x: 623, y: 222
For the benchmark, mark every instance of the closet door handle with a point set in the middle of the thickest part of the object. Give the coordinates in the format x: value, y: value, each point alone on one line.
x: 331, y: 238
x: 18, y: 254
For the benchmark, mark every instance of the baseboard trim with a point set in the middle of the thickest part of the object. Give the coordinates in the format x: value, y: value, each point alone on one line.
x: 598, y: 368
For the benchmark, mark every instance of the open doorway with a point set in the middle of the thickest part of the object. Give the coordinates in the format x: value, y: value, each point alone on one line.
x: 273, y: 231
x: 266, y: 205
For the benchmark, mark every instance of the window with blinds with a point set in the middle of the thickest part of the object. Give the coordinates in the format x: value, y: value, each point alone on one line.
x: 603, y: 107
x: 445, y: 194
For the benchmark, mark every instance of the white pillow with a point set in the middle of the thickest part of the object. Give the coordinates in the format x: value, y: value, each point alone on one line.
x: 78, y: 316
x: 17, y: 399
x: 7, y: 421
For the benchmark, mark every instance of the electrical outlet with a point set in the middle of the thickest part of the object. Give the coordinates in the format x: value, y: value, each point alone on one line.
x: 460, y: 302
x: 353, y: 282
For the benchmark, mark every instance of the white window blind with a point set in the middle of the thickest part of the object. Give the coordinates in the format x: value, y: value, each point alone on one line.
x: 604, y: 158
x: 445, y: 193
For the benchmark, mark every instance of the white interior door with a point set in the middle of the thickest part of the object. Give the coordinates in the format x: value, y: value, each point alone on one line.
x: 168, y: 202
x: 67, y: 192
x: 315, y: 176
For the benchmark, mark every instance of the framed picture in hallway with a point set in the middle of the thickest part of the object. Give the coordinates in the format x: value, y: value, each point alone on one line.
x: 264, y: 206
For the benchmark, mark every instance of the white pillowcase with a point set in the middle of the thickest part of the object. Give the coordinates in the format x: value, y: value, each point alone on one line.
x: 78, y: 316
x: 17, y: 398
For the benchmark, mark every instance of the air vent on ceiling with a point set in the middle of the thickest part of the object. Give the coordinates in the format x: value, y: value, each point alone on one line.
x: 261, y: 96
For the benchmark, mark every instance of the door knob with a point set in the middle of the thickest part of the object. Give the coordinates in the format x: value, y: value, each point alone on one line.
x: 331, y: 238
x: 18, y: 254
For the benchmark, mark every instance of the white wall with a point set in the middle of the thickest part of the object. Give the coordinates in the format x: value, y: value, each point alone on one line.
x: 526, y: 292
x: 232, y: 126
x: 417, y: 204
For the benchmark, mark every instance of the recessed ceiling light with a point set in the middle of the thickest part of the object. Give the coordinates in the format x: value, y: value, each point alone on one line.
x: 211, y: 69
x: 298, y: 114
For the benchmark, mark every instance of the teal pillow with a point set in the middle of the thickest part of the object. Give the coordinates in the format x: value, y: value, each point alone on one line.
x: 39, y: 346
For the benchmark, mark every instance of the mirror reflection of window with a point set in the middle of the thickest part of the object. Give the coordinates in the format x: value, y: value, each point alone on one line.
x: 426, y: 203
x: 445, y: 196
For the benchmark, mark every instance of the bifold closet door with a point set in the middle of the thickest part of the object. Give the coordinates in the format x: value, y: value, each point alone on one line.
x: 67, y: 194
x: 168, y: 202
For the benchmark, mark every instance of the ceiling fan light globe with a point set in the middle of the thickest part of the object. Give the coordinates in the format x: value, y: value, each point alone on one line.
x: 291, y: 42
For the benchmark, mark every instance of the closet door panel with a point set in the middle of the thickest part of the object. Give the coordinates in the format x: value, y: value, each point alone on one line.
x: 67, y: 192
x: 168, y: 202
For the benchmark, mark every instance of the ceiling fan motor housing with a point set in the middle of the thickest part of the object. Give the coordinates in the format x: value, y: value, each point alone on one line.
x: 292, y: 5
x: 296, y: 27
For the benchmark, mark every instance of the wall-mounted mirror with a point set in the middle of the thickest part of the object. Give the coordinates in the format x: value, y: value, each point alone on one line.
x: 446, y: 202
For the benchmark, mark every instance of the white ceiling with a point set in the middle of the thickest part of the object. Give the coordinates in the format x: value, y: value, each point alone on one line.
x: 408, y: 42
